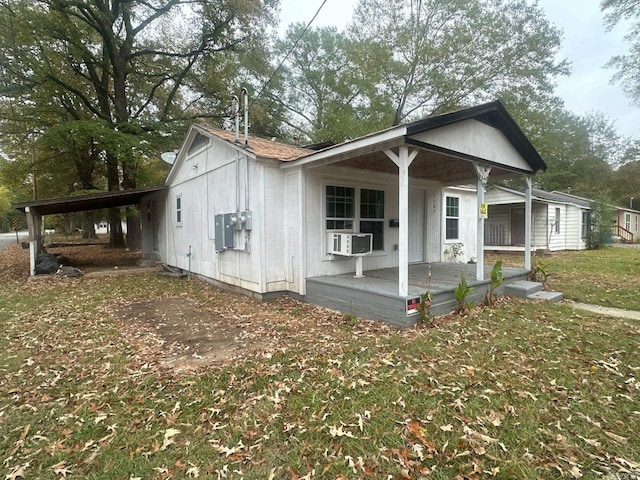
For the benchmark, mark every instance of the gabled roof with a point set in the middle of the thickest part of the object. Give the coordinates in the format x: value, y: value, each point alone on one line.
x: 493, y: 114
x: 369, y: 148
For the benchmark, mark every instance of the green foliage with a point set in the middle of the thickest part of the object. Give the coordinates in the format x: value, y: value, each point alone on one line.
x: 435, y: 70
x: 539, y: 273
x: 462, y: 291
x: 599, y: 231
x: 426, y: 300
x: 497, y: 279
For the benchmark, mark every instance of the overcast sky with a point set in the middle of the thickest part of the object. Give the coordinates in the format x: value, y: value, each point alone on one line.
x: 586, y: 45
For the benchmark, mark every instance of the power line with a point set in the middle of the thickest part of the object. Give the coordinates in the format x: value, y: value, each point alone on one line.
x: 295, y: 44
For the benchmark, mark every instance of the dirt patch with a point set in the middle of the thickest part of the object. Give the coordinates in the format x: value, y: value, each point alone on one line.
x: 188, y: 337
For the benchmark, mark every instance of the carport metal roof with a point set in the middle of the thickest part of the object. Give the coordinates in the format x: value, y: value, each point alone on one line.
x: 92, y: 201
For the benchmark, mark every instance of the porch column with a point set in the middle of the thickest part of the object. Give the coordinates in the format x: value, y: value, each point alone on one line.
x: 527, y: 223
x: 403, y: 160
x: 34, y: 224
x: 482, y: 173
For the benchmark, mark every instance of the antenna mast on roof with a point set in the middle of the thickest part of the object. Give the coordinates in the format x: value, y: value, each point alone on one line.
x: 235, y: 111
x: 245, y: 100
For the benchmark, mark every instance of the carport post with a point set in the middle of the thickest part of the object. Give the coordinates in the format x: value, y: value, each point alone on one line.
x: 34, y: 223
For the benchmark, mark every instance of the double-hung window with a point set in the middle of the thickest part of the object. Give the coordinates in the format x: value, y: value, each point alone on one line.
x: 452, y: 218
x: 627, y: 221
x: 557, y: 221
x: 586, y: 223
x: 341, y: 208
x: 179, y: 210
x: 372, y: 215
x: 348, y: 207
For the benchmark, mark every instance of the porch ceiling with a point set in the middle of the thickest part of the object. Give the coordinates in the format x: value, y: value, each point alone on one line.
x: 427, y: 165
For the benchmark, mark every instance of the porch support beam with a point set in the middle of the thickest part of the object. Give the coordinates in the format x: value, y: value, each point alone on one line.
x: 527, y: 223
x: 482, y: 172
x: 403, y: 159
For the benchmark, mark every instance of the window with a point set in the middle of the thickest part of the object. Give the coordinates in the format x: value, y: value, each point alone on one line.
x: 586, y: 223
x: 452, y: 218
x: 347, y: 207
x: 372, y: 215
x: 627, y: 221
x: 340, y: 207
x: 179, y: 209
x: 557, y: 221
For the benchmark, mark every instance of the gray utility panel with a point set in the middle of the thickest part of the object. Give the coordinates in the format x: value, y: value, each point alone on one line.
x: 228, y: 223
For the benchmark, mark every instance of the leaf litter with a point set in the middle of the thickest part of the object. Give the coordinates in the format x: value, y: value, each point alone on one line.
x: 157, y: 378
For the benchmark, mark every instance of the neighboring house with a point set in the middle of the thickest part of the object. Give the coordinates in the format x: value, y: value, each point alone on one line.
x: 266, y: 218
x: 559, y: 221
x: 102, y: 227
x: 626, y: 225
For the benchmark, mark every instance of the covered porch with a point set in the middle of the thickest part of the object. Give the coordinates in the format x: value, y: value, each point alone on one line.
x: 376, y: 295
x: 469, y: 147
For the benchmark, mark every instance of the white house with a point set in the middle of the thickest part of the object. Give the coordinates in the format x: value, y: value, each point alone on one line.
x: 266, y: 218
x: 559, y: 221
x: 626, y: 224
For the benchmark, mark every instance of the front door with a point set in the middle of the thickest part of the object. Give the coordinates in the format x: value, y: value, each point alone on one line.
x: 517, y: 226
x: 416, y: 225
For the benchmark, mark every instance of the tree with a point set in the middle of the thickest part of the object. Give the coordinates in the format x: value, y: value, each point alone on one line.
x: 324, y: 92
x: 445, y: 54
x: 627, y: 65
x: 140, y: 67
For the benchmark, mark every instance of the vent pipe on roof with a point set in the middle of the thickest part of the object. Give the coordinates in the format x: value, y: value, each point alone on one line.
x: 245, y: 100
x: 235, y: 111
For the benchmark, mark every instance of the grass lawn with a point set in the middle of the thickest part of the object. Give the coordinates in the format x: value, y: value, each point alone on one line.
x: 524, y: 390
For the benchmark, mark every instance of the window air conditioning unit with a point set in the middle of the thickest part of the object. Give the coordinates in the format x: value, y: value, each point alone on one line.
x: 349, y: 244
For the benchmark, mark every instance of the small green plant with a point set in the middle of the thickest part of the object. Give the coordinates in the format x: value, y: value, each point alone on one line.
x: 497, y: 279
x: 539, y: 273
x: 462, y: 291
x: 351, y: 318
x: 426, y: 301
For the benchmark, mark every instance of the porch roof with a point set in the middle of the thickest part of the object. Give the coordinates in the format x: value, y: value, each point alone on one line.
x: 446, y: 144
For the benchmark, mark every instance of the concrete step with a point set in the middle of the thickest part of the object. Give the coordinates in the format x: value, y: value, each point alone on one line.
x: 554, y: 297
x: 522, y: 288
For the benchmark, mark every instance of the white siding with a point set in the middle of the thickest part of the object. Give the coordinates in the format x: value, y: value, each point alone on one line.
x: 476, y: 139
x: 213, y: 181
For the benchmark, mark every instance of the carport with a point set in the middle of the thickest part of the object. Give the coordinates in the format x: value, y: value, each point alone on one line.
x: 36, y: 209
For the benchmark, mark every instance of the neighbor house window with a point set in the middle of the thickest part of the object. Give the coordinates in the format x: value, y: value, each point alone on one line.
x: 557, y: 221
x: 372, y: 215
x: 627, y: 221
x: 179, y: 209
x: 452, y: 218
x: 341, y: 207
x: 586, y: 223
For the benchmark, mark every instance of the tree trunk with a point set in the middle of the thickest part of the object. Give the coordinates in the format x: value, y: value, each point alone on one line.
x: 88, y: 226
x: 116, y: 238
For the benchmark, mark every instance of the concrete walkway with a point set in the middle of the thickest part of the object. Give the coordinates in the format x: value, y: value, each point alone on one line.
x: 608, y: 311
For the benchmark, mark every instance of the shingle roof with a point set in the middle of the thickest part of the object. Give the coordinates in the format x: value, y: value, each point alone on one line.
x: 262, y: 147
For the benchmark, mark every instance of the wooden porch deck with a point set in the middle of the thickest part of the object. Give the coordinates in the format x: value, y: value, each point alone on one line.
x: 376, y: 295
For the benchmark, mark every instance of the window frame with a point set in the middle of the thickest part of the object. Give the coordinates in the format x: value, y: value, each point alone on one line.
x: 379, y: 239
x: 448, y: 217
x: 586, y: 223
x: 557, y: 220
x: 178, y: 206
x: 627, y: 221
